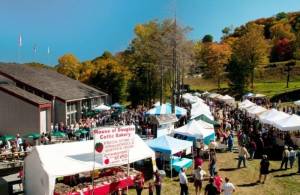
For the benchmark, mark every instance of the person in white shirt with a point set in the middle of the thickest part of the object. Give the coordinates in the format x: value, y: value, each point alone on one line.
x: 228, y: 188
x: 183, y: 181
x: 19, y: 143
x: 198, y: 178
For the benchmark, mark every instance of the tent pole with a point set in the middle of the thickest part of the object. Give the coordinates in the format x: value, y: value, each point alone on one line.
x: 127, y: 189
x: 193, y: 157
x: 171, y: 167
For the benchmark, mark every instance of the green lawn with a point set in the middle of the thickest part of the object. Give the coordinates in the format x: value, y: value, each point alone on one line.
x: 279, y: 182
x: 268, y: 88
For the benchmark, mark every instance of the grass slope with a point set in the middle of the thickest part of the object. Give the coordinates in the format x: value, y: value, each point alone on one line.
x: 269, y: 88
x: 279, y: 182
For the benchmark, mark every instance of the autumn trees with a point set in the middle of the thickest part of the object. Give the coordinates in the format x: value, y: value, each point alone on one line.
x: 217, y: 56
x: 161, y: 53
x: 105, y: 72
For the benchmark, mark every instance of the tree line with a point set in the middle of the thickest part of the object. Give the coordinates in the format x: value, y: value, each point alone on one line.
x: 145, y: 70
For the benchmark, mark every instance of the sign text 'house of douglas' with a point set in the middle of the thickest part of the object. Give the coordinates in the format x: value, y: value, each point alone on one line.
x: 113, y: 143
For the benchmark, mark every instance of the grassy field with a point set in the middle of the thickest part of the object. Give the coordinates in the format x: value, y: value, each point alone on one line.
x: 279, y: 182
x: 270, y: 88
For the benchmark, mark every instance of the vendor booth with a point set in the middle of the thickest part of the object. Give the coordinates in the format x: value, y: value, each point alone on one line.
x: 192, y: 99
x: 48, y: 162
x: 168, y: 146
x: 246, y: 104
x: 101, y: 107
x: 166, y: 109
x: 197, y: 131
x: 271, y: 116
x: 227, y: 100
x: 164, y: 124
x: 255, y: 110
x: 291, y: 123
x: 200, y: 108
x: 274, y: 117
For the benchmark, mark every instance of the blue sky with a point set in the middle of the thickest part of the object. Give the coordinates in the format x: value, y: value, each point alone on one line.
x: 86, y: 28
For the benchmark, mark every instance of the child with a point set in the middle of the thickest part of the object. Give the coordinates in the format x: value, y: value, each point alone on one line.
x: 150, y: 188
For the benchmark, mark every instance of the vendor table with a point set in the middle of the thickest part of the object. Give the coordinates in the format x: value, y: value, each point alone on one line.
x: 106, y: 188
x: 178, y: 163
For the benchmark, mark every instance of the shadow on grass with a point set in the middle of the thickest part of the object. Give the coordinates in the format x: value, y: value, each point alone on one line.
x: 276, y: 170
x: 228, y: 169
x: 285, y: 175
x: 248, y: 184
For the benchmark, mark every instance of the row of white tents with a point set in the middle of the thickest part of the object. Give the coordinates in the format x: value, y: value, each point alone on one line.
x: 278, y: 119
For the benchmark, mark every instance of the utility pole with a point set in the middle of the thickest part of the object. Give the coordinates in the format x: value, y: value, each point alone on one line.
x: 175, y: 79
x: 161, y: 83
x: 288, y: 69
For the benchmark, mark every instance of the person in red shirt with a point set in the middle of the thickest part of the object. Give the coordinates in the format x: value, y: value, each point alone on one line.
x: 218, y: 182
x: 198, y: 162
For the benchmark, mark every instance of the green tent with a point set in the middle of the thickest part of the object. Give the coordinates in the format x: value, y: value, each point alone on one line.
x: 32, y: 135
x: 80, y: 131
x: 7, y: 137
x: 206, y: 119
x: 58, y: 134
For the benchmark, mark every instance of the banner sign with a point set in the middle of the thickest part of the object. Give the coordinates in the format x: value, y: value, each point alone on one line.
x: 113, y: 143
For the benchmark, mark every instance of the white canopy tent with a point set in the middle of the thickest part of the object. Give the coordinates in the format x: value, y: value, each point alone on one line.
x: 246, y: 104
x: 200, y: 108
x: 292, y: 123
x: 297, y: 102
x: 214, y: 95
x: 197, y: 129
x: 227, y: 99
x: 267, y: 115
x: 255, y: 110
x: 101, y: 107
x: 272, y: 119
x: 47, y: 162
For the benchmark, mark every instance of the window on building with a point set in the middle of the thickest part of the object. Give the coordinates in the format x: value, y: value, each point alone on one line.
x: 71, y: 112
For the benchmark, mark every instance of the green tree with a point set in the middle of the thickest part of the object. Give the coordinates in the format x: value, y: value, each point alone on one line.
x: 109, y: 75
x: 207, y: 39
x: 281, y: 15
x: 151, y: 59
x: 238, y: 74
x: 251, y: 49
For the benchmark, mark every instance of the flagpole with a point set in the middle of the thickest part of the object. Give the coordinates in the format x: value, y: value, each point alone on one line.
x: 19, y: 49
x: 48, y: 55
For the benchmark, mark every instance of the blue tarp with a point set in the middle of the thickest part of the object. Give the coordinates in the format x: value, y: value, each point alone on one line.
x: 116, y: 105
x: 169, y: 145
x: 179, y: 163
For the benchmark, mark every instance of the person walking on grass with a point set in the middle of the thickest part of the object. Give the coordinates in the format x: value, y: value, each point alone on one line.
x: 264, y: 168
x: 212, y: 163
x: 218, y: 182
x: 198, y: 178
x: 139, y: 184
x: 243, y: 154
x: 292, y: 156
x: 183, y: 181
x: 228, y: 188
x: 157, y: 182
x: 252, y: 149
x: 285, y: 157
x: 210, y: 188
x: 230, y: 142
